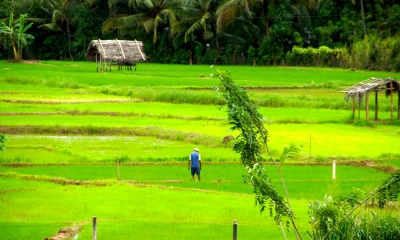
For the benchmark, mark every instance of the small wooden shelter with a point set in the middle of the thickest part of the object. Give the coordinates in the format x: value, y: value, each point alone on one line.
x: 375, y: 85
x: 122, y: 52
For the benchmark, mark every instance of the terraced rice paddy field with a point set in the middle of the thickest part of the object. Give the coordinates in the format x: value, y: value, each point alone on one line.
x: 115, y: 145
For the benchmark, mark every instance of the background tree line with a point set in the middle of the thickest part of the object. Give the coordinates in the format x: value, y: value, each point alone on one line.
x: 360, y: 34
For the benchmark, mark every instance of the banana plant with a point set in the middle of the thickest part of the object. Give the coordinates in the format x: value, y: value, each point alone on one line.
x: 15, y: 32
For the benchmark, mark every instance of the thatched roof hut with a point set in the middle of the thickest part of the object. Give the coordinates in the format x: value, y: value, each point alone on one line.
x: 120, y: 51
x: 361, y: 89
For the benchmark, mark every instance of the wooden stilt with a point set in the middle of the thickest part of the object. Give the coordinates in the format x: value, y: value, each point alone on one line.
x: 359, y: 109
x: 391, y: 100
x: 354, y: 106
x: 97, y: 67
x: 366, y: 106
x: 376, y: 105
x: 398, y: 104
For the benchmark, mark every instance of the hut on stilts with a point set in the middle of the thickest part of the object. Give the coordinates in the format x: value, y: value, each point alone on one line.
x: 121, y: 52
x: 373, y: 85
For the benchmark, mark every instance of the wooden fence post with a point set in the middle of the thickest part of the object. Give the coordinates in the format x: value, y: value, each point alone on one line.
x: 334, y: 170
x: 119, y: 175
x: 234, y: 230
x: 94, y: 228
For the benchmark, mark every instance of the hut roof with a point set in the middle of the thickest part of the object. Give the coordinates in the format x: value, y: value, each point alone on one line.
x: 116, y: 50
x: 373, y: 84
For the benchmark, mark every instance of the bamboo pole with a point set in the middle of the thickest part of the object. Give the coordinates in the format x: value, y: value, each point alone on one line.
x: 101, y: 45
x: 140, y: 50
x: 376, y: 105
x: 366, y: 106
x: 122, y: 50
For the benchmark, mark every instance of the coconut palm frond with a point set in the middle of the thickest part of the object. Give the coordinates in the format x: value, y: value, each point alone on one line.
x: 111, y: 23
x: 147, y: 3
x: 168, y: 14
x: 227, y: 17
x: 208, y: 35
x: 36, y: 20
x: 192, y: 29
x: 180, y: 26
x: 148, y: 25
x: 132, y: 21
x: 51, y: 26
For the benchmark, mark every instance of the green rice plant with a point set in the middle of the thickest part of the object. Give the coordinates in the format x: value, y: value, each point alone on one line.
x: 179, y: 75
x: 106, y: 149
x: 30, y: 230
x: 18, y: 184
x: 303, y: 182
x: 160, y: 207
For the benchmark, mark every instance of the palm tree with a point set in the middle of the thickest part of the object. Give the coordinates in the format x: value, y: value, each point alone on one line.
x: 62, y: 12
x: 152, y: 15
x: 197, y: 18
x: 16, y: 33
x: 231, y: 9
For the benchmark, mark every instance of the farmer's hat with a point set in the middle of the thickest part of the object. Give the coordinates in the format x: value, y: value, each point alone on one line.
x: 196, y: 149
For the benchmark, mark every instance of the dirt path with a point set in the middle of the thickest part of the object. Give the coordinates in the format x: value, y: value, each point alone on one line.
x: 65, y: 233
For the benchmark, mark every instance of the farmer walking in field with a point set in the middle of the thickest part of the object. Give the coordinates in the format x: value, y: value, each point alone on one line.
x: 195, y: 163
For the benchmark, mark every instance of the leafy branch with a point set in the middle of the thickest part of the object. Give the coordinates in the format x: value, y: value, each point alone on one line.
x: 243, y: 115
x: 3, y: 139
x: 388, y: 191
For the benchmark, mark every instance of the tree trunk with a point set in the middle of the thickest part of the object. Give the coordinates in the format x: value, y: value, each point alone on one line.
x: 265, y: 13
x: 15, y: 50
x: 214, y: 30
x: 191, y: 57
x: 363, y: 17
x: 69, y: 42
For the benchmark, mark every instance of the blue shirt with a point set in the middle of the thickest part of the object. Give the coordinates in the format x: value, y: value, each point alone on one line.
x: 195, y: 157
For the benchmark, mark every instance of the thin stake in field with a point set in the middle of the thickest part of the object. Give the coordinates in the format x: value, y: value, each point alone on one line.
x: 119, y: 175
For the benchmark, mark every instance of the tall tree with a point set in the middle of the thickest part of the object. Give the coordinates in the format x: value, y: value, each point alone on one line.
x: 197, y: 18
x: 152, y: 15
x: 62, y: 12
x: 15, y: 32
x: 233, y: 8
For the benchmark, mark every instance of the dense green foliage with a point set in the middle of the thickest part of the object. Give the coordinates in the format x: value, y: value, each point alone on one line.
x: 356, y: 34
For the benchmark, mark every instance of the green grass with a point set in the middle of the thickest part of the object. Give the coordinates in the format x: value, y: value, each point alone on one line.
x: 180, y: 75
x: 129, y: 206
x: 134, y: 205
x: 301, y: 180
x: 78, y: 149
x: 72, y: 123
